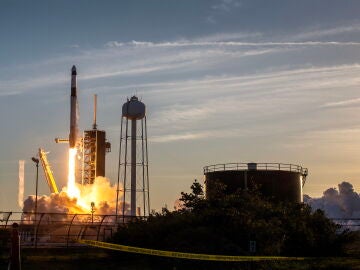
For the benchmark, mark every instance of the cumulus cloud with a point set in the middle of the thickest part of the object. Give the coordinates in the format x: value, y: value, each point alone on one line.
x: 343, y: 202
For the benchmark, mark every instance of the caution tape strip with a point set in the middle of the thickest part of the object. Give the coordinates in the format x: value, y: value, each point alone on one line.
x: 182, y: 255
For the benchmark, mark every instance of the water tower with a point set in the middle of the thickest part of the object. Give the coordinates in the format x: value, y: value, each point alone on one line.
x: 133, y: 173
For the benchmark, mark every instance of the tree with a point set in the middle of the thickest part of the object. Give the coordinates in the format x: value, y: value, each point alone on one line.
x: 225, y: 223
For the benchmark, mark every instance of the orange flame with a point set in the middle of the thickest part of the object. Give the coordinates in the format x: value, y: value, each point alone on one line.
x: 72, y: 190
x: 100, y: 192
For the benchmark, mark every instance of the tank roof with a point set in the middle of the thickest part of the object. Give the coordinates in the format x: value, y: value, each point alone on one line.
x: 256, y: 166
x: 133, y: 109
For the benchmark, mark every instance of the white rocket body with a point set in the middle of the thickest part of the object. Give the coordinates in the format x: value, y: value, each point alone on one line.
x: 74, y: 130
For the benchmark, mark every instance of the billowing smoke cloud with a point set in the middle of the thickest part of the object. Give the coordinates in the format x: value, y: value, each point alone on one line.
x: 341, y: 203
x: 21, y: 183
x: 101, y: 193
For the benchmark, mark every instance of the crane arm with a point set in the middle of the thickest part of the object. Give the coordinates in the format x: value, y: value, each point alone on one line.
x: 48, y: 173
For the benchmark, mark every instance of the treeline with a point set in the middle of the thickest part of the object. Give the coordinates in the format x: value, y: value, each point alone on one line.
x: 242, y: 223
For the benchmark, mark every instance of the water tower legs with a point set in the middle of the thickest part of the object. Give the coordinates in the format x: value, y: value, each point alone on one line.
x: 133, y: 168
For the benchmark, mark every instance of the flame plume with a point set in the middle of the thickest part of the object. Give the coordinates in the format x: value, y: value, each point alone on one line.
x: 77, y: 198
x: 72, y: 190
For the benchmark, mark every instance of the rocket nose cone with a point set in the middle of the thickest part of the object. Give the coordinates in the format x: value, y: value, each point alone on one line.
x: 73, y: 70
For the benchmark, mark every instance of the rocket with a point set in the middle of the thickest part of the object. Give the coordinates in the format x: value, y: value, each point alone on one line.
x: 74, y: 130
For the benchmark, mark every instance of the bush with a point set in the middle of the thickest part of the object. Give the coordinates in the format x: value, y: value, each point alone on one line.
x: 225, y: 224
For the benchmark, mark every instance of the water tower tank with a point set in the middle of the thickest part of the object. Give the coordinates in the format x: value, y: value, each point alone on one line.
x: 133, y: 109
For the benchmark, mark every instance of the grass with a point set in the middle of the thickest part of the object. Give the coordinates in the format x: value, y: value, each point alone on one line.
x: 93, y: 258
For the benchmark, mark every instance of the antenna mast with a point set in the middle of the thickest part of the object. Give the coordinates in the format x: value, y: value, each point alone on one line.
x: 95, y: 109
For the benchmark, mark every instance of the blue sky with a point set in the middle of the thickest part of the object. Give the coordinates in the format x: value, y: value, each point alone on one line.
x: 223, y: 81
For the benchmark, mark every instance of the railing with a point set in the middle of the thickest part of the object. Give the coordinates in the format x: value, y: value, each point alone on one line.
x: 61, y: 229
x: 53, y: 230
x: 256, y: 166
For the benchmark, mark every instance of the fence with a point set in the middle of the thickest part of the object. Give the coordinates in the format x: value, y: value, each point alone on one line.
x: 65, y: 230
x: 62, y: 229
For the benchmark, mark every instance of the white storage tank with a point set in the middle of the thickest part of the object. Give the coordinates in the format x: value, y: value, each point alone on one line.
x: 133, y: 109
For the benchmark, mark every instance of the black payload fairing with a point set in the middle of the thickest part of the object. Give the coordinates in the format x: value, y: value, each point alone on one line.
x: 74, y: 129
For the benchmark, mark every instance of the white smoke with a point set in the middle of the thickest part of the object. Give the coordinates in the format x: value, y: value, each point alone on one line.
x: 341, y: 203
x: 101, y: 192
x: 21, y: 183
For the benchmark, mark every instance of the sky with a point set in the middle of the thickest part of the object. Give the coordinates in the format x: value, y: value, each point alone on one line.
x: 222, y: 80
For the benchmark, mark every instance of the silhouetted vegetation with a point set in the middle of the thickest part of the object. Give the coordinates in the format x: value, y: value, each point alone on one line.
x: 227, y: 223
x: 4, y: 239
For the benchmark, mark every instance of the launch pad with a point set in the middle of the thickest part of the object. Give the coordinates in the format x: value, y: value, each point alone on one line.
x: 89, y: 206
x: 92, y: 144
x: 87, y: 190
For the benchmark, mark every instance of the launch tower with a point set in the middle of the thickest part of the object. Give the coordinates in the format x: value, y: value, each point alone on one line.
x: 95, y: 147
x: 92, y: 145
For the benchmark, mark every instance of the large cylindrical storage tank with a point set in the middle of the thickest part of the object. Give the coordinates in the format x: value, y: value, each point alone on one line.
x: 282, y: 182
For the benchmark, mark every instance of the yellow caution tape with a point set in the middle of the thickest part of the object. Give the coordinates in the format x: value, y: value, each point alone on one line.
x: 182, y: 255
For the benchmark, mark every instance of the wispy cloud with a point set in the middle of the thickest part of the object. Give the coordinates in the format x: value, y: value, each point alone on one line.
x: 247, y: 99
x: 136, y: 58
x: 210, y: 20
x: 74, y: 46
x: 129, y: 60
x: 178, y: 137
x: 228, y: 43
x: 196, y: 135
x: 226, y: 5
x: 339, y: 137
x: 246, y: 36
x: 327, y: 32
x: 193, y: 86
x: 15, y: 87
x: 134, y: 71
x: 342, y: 103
